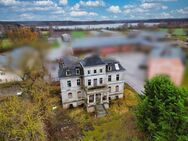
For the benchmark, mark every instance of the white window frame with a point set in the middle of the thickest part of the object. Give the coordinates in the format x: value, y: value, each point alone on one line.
x: 69, y: 83
x: 109, y: 68
x: 89, y: 81
x: 109, y: 76
x: 77, y: 71
x: 78, y: 81
x: 117, y: 76
x: 68, y: 74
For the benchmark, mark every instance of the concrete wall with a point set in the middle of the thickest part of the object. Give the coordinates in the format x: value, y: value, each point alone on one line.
x: 8, y: 77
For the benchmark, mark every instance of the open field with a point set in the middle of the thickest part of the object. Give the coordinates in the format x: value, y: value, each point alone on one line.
x: 179, y: 33
x: 55, y: 44
x: 118, y: 125
x: 6, y: 43
x: 78, y: 34
x: 185, y: 77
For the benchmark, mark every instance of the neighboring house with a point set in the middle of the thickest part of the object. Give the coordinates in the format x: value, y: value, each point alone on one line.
x: 66, y: 37
x: 90, y: 81
x: 7, y: 76
x: 168, y: 61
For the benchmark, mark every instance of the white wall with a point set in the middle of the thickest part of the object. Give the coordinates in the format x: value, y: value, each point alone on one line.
x: 8, y: 77
x: 113, y: 76
x: 113, y: 88
x: 93, y: 75
x: 73, y: 89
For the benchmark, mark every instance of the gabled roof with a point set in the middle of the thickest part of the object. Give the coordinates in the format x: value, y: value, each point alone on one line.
x: 113, y: 65
x: 71, y: 64
x: 92, y: 60
x: 168, y: 52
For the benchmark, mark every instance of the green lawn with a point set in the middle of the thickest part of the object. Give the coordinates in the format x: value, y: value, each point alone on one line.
x: 179, y: 32
x: 118, y: 125
x: 55, y: 44
x: 45, y: 33
x: 185, y: 78
x: 78, y: 34
x: 6, y: 43
x: 163, y: 30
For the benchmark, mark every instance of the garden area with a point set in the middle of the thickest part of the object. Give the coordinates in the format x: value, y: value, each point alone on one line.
x: 78, y: 34
x: 6, y: 43
x: 185, y: 77
x: 179, y: 33
x: 119, y: 124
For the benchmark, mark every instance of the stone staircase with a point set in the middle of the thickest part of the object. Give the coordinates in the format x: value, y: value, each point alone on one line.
x: 100, y: 110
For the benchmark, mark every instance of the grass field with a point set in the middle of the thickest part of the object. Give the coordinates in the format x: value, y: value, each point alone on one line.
x: 45, y: 33
x: 177, y: 33
x: 78, y: 34
x: 163, y: 30
x: 185, y: 77
x: 55, y: 44
x: 6, y: 43
x: 118, y: 125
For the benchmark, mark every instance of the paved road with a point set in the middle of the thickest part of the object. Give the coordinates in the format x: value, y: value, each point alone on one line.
x: 133, y: 75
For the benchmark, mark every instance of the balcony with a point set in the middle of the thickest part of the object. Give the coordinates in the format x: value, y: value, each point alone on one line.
x: 96, y: 89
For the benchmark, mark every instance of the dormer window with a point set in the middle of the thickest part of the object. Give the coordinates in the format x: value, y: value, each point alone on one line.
x: 109, y: 68
x: 77, y: 71
x: 68, y: 73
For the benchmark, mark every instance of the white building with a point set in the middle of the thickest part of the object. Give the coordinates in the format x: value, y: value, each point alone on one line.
x: 7, y: 76
x: 90, y: 81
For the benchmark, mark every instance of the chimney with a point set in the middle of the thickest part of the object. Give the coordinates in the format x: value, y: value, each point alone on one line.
x: 61, y: 63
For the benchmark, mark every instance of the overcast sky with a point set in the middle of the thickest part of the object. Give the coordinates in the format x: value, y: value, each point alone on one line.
x: 28, y: 10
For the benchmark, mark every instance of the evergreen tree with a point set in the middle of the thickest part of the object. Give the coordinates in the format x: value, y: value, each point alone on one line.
x: 162, y: 112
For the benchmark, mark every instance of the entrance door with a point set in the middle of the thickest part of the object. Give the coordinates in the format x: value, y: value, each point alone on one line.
x: 98, y: 98
x: 95, y: 82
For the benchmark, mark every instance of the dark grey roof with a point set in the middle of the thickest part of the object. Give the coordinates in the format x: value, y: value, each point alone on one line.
x: 92, y: 60
x: 168, y: 52
x: 69, y: 63
x: 114, y: 65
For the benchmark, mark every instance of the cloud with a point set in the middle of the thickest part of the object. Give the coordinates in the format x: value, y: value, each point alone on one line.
x: 149, y: 5
x: 96, y: 3
x: 183, y: 10
x: 153, y: 6
x: 75, y: 7
x: 82, y: 13
x: 158, y: 1
x: 44, y: 3
x: 63, y: 2
x: 144, y: 8
x: 114, y: 9
x: 26, y: 16
x: 8, y: 2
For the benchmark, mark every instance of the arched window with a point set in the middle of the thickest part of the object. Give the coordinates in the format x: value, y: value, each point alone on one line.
x: 69, y: 95
x: 109, y: 89
x: 79, y: 94
x: 117, y: 88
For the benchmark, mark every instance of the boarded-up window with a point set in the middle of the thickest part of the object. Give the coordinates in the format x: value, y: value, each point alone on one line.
x: 70, y: 95
x: 79, y: 95
x: 117, y: 88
